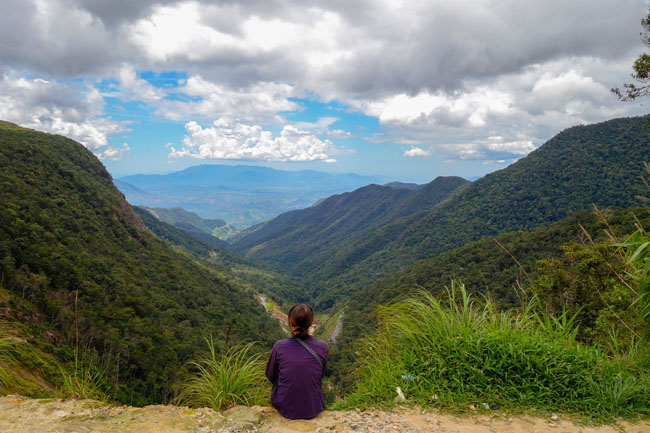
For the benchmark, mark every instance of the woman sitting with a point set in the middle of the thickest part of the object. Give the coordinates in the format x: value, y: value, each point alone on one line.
x: 296, y: 367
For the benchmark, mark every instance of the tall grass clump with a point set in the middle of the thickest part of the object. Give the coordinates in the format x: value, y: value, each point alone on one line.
x: 18, y: 361
x: 84, y: 381
x: 223, y: 380
x: 9, y: 347
x: 455, y: 353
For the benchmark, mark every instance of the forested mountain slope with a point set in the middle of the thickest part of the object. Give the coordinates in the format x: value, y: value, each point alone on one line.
x: 143, y: 308
x: 188, y: 222
x: 505, y: 268
x: 301, y: 239
x: 583, y: 165
x: 496, y: 265
x: 249, y: 273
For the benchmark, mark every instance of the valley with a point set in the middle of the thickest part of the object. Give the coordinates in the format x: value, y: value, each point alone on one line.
x: 459, y: 191
x: 139, y: 291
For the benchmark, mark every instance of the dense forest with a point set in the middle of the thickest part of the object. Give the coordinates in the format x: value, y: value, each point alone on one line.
x: 143, y: 308
x: 300, y: 240
x: 252, y: 274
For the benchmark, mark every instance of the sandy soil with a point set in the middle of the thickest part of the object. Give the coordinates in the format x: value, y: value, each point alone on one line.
x: 24, y: 415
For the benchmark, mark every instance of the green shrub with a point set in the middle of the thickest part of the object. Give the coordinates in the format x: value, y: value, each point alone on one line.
x: 236, y: 377
x: 458, y: 353
x: 85, y: 381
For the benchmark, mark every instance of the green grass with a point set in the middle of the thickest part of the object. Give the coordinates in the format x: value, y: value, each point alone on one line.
x: 9, y: 346
x: 24, y: 369
x: 85, y: 381
x: 221, y: 381
x: 457, y: 353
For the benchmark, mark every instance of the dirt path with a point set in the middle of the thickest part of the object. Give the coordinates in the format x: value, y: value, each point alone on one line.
x: 24, y: 415
x: 275, y: 313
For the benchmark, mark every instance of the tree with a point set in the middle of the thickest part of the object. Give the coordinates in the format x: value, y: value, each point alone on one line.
x: 641, y: 72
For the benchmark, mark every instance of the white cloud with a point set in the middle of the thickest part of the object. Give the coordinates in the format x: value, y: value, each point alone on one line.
x: 72, y: 111
x: 227, y: 139
x: 133, y: 88
x: 113, y: 153
x: 466, y: 109
x: 433, y: 73
x: 322, y: 124
x: 259, y: 102
x: 517, y: 112
x: 338, y: 134
x: 518, y: 147
x: 415, y: 151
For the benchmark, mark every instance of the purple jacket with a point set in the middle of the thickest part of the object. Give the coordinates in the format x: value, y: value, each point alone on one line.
x: 296, y: 376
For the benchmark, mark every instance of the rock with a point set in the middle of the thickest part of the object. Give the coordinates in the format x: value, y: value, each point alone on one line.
x: 554, y: 416
x: 400, y: 395
x: 243, y: 417
x: 301, y: 426
x: 472, y: 407
x: 338, y: 428
x: 210, y: 419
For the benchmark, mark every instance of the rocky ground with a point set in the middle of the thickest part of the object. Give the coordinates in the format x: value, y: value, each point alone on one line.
x: 24, y: 415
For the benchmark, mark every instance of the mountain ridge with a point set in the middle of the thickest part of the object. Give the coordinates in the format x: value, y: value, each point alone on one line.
x: 75, y: 256
x: 338, y: 218
x: 581, y: 166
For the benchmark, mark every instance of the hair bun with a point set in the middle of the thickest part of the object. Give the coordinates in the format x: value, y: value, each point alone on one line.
x: 300, y: 318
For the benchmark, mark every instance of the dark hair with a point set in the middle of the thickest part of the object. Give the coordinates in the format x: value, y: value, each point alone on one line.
x: 300, y: 318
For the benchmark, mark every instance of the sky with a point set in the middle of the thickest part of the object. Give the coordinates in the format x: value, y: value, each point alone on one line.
x: 407, y: 90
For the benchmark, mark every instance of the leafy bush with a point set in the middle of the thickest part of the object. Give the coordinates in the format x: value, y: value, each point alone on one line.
x: 459, y: 353
x: 236, y: 377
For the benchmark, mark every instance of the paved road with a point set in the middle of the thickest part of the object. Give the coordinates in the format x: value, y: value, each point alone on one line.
x: 337, y: 329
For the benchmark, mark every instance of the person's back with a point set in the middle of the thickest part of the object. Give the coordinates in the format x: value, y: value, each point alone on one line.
x: 295, y: 372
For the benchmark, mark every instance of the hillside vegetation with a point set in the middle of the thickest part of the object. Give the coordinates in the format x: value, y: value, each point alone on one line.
x: 585, y: 165
x: 251, y: 274
x: 454, y: 352
x: 192, y: 223
x: 79, y: 266
x: 301, y: 240
x: 504, y: 267
x: 185, y: 221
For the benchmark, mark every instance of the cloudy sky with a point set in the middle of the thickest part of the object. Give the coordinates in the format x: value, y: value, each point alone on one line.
x: 405, y: 89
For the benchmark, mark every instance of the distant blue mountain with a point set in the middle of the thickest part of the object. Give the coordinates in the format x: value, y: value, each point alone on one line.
x: 246, y: 177
x: 242, y: 195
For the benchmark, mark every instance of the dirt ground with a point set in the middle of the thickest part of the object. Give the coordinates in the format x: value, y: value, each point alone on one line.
x: 24, y: 415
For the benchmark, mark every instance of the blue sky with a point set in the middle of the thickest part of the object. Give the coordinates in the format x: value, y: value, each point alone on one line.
x: 405, y: 90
